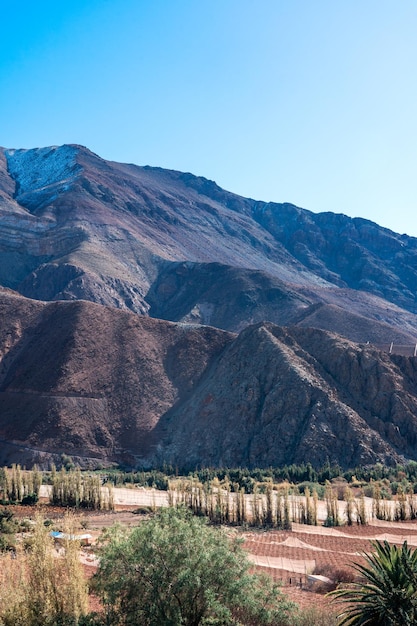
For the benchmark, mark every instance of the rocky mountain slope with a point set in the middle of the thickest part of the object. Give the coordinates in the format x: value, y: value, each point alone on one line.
x: 148, y: 316
x: 105, y: 385
x: 175, y: 246
x: 90, y: 380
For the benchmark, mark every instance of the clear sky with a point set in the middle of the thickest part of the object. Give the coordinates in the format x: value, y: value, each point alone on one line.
x: 312, y: 102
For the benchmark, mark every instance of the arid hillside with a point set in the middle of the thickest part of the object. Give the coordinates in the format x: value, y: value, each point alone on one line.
x: 148, y: 316
x: 105, y: 385
x: 90, y: 380
x: 175, y: 246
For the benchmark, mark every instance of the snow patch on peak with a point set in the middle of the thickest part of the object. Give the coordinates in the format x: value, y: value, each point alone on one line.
x: 38, y: 168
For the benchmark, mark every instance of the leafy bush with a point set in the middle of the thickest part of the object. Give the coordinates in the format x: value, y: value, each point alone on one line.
x: 30, y: 499
x: 7, y: 542
x: 319, y: 489
x: 176, y: 570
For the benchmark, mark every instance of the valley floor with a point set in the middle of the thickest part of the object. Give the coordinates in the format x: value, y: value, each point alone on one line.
x: 287, y: 556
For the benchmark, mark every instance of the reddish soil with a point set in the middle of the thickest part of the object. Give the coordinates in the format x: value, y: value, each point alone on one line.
x: 301, y: 551
x: 337, y: 549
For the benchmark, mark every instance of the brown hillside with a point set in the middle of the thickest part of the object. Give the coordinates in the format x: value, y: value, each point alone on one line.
x: 175, y: 246
x: 95, y: 382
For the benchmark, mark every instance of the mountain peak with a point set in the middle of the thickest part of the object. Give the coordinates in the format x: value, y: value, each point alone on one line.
x: 178, y: 246
x: 37, y: 168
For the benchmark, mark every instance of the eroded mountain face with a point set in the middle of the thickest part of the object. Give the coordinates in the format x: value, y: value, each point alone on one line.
x: 105, y: 385
x: 176, y: 246
x: 99, y: 258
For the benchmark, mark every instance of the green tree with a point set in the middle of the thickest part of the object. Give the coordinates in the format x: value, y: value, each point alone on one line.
x: 176, y: 570
x: 388, y: 596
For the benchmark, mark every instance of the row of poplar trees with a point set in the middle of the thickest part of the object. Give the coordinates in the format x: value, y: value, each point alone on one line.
x: 68, y: 488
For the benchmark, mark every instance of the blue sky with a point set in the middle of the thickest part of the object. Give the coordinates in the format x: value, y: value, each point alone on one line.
x: 305, y: 101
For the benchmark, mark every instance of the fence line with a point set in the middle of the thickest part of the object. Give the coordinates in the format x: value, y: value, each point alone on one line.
x: 395, y: 348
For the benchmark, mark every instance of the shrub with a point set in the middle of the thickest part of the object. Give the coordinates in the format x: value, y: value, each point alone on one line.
x: 38, y: 589
x: 176, y: 570
x: 30, y: 499
x: 315, y: 617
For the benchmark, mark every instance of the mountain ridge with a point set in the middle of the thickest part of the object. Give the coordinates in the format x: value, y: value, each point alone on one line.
x: 147, y: 315
x: 114, y: 233
x: 109, y: 386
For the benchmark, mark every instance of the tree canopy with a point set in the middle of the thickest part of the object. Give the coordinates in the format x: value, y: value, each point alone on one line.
x: 176, y: 570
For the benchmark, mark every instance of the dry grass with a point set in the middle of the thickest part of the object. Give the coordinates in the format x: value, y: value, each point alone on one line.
x: 37, y: 584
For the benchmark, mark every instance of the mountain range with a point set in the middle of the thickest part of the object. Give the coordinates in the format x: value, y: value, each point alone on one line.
x: 149, y: 316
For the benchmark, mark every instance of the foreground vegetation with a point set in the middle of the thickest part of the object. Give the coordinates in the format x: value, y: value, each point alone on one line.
x: 38, y: 589
x: 387, y: 593
x: 176, y: 569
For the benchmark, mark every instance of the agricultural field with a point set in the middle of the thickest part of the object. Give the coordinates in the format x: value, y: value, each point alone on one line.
x: 339, y: 520
x: 288, y: 556
x: 292, y: 556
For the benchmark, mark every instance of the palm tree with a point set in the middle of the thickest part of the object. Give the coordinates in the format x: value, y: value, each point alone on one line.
x: 388, y: 595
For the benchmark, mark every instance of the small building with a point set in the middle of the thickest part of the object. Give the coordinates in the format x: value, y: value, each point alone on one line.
x: 84, y: 539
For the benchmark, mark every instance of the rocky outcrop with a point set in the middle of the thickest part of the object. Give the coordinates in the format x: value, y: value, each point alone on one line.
x: 280, y: 396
